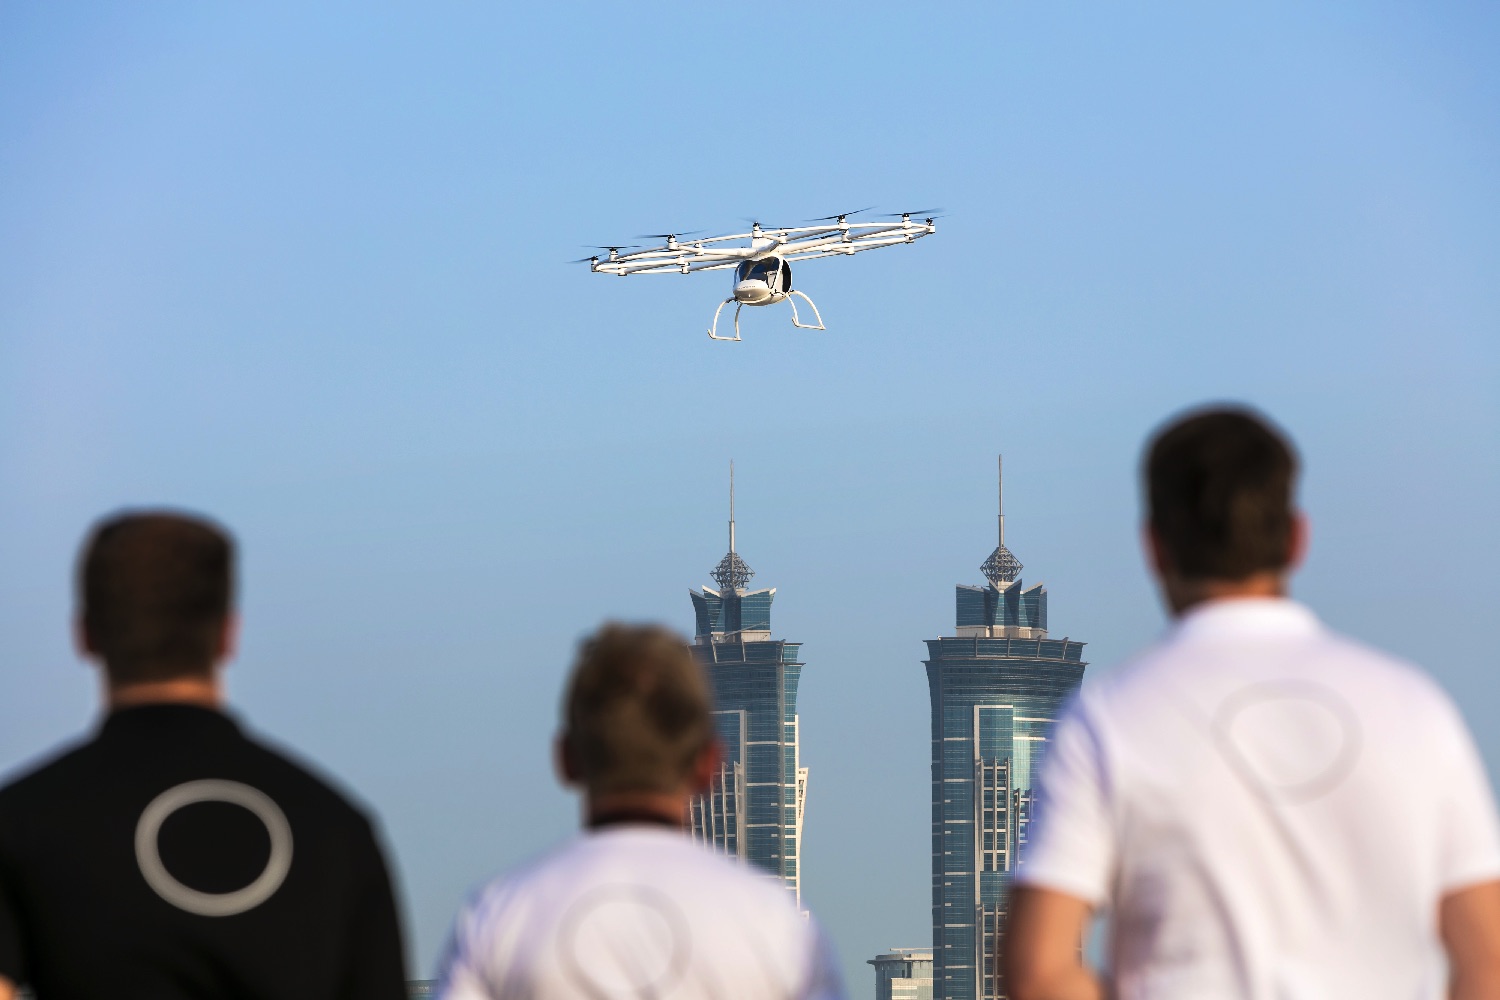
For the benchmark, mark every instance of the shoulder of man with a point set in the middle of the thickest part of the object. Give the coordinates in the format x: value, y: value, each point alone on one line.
x: 538, y: 897
x: 1118, y: 683
x: 297, y: 772
x: 497, y: 933
x: 1406, y: 675
x: 36, y: 776
x: 568, y: 868
x: 1134, y: 689
x: 56, y: 777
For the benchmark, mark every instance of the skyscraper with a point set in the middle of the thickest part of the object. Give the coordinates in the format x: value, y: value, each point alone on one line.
x: 753, y: 811
x: 996, y: 688
x: 903, y: 974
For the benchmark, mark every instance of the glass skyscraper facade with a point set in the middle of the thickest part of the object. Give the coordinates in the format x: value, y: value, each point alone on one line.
x: 753, y: 811
x: 903, y: 974
x: 996, y: 686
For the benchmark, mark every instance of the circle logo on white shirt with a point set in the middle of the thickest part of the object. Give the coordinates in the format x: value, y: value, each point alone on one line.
x: 1290, y: 739
x: 213, y: 904
x: 624, y: 941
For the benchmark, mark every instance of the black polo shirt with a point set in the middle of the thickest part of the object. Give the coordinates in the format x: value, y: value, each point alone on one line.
x: 172, y: 857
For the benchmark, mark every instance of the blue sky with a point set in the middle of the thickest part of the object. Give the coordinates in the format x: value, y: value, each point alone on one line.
x: 303, y: 269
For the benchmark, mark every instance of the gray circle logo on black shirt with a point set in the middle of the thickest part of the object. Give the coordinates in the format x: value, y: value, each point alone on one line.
x: 213, y: 904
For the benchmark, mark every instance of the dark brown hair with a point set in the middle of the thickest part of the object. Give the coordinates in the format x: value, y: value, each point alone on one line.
x: 154, y: 592
x: 1219, y: 485
x: 637, y: 712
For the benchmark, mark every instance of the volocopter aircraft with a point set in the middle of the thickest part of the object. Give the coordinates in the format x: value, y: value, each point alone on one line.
x: 763, y: 266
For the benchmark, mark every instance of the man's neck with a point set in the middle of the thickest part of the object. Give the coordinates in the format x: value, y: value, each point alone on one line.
x: 204, y: 692
x: 1182, y: 595
x: 663, y: 808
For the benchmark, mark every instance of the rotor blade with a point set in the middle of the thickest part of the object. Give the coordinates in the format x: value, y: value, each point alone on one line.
x: 841, y: 215
x: 757, y: 222
x: 669, y: 236
x: 915, y: 211
x: 621, y: 246
x: 583, y: 260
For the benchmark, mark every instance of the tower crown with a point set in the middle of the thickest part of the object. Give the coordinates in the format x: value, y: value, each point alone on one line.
x: 1006, y: 609
x: 1002, y: 567
x: 733, y: 613
x: 732, y: 573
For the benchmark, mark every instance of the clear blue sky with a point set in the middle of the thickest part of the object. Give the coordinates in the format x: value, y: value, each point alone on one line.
x: 303, y: 269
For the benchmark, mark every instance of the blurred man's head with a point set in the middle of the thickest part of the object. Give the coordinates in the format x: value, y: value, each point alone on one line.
x: 155, y: 596
x: 637, y: 719
x: 1220, y: 513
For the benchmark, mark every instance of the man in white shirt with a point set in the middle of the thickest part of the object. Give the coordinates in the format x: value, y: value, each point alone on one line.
x: 634, y: 908
x: 1266, y: 808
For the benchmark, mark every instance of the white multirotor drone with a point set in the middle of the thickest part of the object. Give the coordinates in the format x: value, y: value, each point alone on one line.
x: 762, y: 268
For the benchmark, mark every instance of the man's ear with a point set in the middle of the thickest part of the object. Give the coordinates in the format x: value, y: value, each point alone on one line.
x: 229, y: 639
x: 1297, y: 545
x: 565, y: 762
x: 82, y: 641
x: 705, y: 767
x: 1156, y: 552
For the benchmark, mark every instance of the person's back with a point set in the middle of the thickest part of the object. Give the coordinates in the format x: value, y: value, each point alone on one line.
x: 633, y: 908
x: 171, y: 856
x: 1288, y: 808
x: 636, y: 911
x: 1269, y: 811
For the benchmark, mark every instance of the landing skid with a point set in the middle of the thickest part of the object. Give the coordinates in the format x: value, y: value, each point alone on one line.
x: 797, y: 323
x: 713, y: 331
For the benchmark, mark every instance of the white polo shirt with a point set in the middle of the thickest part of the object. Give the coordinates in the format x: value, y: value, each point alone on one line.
x: 1269, y: 809
x: 636, y: 911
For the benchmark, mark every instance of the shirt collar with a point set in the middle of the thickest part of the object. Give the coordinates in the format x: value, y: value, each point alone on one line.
x: 167, y: 717
x: 1245, y: 616
x: 633, y: 817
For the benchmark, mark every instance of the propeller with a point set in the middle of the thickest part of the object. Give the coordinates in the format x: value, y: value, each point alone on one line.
x: 841, y: 215
x: 669, y: 236
x: 612, y: 251
x: 926, y: 212
x: 757, y: 222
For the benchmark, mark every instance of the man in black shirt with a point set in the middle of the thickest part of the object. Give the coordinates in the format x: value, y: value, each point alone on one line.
x: 171, y: 856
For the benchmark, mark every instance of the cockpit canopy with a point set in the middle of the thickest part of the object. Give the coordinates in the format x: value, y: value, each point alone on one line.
x: 775, y: 272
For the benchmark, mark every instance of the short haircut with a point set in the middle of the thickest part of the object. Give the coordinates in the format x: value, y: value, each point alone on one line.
x: 1219, y: 485
x: 155, y: 590
x: 638, y: 710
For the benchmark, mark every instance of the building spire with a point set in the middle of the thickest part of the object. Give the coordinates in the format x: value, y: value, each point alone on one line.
x: 731, y: 574
x: 999, y: 491
x: 1001, y: 567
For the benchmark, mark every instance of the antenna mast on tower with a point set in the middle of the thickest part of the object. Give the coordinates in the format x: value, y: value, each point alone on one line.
x: 731, y: 574
x: 1001, y: 567
x: 999, y: 490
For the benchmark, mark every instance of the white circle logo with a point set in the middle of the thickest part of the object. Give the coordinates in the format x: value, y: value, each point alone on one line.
x: 1290, y: 739
x: 213, y: 904
x: 621, y: 941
